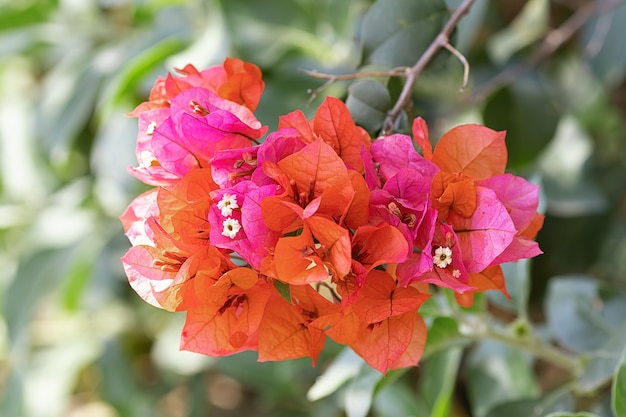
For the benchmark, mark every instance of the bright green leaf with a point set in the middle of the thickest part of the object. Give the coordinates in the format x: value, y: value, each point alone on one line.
x: 618, y: 390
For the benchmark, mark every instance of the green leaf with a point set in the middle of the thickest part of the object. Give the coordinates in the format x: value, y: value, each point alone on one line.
x: 283, y: 289
x: 527, y: 113
x: 359, y: 394
x: 603, y: 362
x: 12, y: 396
x: 118, y: 386
x: 573, y: 312
x: 12, y: 17
x: 618, y: 390
x: 442, y: 334
x: 36, y: 277
x: 442, y: 369
x: 516, y: 408
x: 581, y: 414
x: 559, y: 400
x: 368, y: 102
x: 499, y: 374
x: 528, y: 26
x: 517, y: 279
x: 604, y: 47
x: 138, y: 67
x: 343, y: 368
x: 397, y: 32
x: 399, y: 400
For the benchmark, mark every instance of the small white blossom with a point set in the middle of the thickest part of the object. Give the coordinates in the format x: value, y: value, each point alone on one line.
x: 150, y: 129
x: 456, y: 273
x: 227, y: 204
x: 442, y: 257
x: 231, y: 227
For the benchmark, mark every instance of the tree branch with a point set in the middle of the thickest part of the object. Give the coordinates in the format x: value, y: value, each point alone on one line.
x: 332, y: 78
x: 553, y: 41
x: 441, y: 41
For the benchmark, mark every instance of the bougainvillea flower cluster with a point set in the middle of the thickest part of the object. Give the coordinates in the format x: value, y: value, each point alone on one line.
x: 275, y: 241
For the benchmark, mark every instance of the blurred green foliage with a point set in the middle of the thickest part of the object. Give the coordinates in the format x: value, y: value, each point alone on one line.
x: 76, y: 341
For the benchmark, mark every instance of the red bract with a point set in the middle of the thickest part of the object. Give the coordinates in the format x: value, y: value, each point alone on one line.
x: 273, y: 245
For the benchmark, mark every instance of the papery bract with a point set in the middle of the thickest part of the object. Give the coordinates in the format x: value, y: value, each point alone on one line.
x: 381, y: 343
x: 474, y: 150
x: 289, y: 330
x: 486, y: 234
x: 396, y: 152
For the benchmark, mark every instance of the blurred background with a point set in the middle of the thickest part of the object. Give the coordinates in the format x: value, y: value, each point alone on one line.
x: 75, y: 341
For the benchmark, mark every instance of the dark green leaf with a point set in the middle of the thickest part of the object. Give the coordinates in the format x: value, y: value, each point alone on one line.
x: 283, y: 289
x: 526, y: 112
x: 118, y: 385
x: 397, y: 32
x: 557, y: 401
x: 517, y: 408
x: 368, y: 102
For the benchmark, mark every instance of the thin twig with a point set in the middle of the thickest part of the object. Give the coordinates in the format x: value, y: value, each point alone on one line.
x: 463, y: 60
x: 599, y: 35
x: 554, y: 40
x: 332, y: 78
x: 440, y: 41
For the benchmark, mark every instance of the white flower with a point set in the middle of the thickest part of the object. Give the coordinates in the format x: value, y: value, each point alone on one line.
x: 456, y: 273
x: 231, y: 227
x: 227, y: 204
x: 442, y: 257
x: 150, y: 129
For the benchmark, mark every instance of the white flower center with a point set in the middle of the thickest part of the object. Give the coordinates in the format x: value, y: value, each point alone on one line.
x: 227, y: 204
x: 231, y: 227
x: 442, y: 257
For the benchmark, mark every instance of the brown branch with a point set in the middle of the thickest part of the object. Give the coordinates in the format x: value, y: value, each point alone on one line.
x: 440, y: 41
x: 553, y: 41
x: 332, y: 78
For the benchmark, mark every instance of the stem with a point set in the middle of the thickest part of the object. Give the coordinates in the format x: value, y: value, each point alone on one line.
x: 530, y: 344
x: 553, y: 41
x: 441, y: 41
